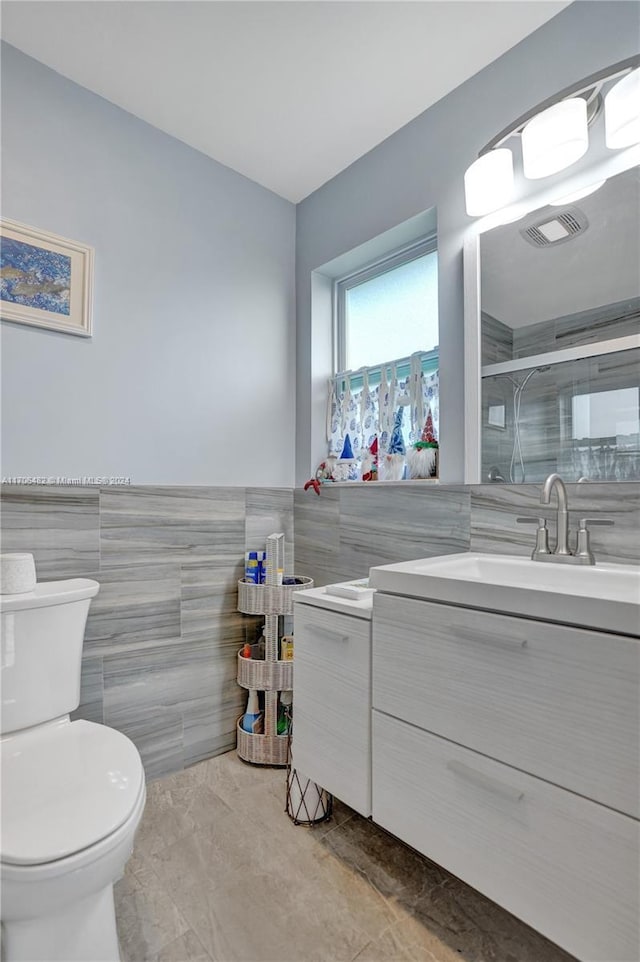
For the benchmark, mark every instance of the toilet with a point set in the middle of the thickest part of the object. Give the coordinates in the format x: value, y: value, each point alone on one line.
x: 73, y: 792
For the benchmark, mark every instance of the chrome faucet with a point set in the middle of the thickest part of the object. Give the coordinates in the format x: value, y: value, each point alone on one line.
x: 562, y: 553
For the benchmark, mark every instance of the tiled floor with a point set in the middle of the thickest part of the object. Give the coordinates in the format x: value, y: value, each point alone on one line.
x: 221, y: 873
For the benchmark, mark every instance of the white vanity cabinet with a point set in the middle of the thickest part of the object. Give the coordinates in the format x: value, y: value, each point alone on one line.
x: 506, y: 750
x: 332, y: 695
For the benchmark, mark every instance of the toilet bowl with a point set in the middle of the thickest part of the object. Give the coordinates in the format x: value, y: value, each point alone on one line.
x: 73, y: 792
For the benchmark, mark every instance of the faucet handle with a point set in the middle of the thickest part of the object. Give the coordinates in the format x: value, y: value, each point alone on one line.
x: 542, y: 536
x: 583, y: 546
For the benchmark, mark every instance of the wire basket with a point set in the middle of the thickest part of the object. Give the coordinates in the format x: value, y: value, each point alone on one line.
x: 256, y: 599
x: 265, y: 675
x: 306, y: 803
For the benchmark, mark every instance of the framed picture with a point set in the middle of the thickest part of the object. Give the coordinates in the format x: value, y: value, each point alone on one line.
x: 45, y: 280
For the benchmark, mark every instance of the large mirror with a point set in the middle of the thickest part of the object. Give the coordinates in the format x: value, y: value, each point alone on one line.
x: 559, y: 340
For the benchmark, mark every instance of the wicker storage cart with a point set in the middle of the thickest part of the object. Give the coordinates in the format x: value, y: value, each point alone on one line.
x: 270, y: 675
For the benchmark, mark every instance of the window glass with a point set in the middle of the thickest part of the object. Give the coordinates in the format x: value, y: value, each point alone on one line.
x: 393, y: 314
x: 606, y: 414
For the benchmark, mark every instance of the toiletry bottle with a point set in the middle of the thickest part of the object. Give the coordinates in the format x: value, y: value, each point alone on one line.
x: 262, y: 567
x: 252, y: 720
x: 286, y: 648
x: 284, y: 714
x: 251, y: 571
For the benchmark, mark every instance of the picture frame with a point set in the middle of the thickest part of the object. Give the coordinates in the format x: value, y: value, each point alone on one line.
x: 45, y: 280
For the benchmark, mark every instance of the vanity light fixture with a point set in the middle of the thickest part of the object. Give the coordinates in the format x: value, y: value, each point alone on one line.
x: 555, y: 138
x: 488, y: 183
x: 555, y: 135
x: 622, y: 112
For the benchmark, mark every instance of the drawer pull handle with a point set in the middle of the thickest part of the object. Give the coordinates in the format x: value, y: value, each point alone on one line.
x: 324, y: 634
x: 486, y: 781
x: 488, y: 637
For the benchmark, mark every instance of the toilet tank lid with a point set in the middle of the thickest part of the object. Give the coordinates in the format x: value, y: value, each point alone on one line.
x: 65, y: 787
x: 48, y: 593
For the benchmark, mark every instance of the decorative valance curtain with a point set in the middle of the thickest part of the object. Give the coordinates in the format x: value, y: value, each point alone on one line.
x: 365, y: 412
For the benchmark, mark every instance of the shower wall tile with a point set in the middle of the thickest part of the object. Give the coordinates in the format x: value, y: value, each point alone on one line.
x: 175, y: 524
x: 59, y: 526
x: 136, y: 605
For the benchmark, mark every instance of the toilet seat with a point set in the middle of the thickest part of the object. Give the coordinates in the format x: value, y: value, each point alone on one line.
x: 67, y: 788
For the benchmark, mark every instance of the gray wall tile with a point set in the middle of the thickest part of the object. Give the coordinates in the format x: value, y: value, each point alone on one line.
x: 347, y: 530
x: 163, y: 632
x: 59, y: 526
x: 136, y: 605
x: 210, y: 600
x: 158, y: 737
x: 495, y: 507
x: 177, y: 524
x: 380, y: 526
x: 91, y: 691
x: 270, y: 511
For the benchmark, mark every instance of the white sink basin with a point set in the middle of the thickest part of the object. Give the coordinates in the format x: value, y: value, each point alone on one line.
x: 603, y: 596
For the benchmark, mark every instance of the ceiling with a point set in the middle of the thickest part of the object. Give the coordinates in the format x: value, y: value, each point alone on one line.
x: 286, y: 93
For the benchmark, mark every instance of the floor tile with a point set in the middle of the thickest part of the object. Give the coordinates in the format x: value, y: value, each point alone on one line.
x: 221, y: 873
x: 186, y: 948
x: 147, y: 918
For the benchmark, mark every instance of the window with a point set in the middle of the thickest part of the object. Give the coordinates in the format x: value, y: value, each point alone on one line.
x: 385, y: 390
x: 606, y: 414
x: 388, y: 311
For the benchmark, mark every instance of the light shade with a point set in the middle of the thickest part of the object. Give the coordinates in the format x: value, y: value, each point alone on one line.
x: 555, y: 139
x: 622, y: 112
x: 488, y: 182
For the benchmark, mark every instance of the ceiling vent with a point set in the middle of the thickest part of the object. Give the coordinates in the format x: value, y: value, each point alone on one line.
x: 549, y: 231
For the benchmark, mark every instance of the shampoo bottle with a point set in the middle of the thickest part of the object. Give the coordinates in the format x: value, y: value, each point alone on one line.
x: 251, y: 569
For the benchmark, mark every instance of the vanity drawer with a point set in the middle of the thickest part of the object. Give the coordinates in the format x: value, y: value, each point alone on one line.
x: 559, y: 702
x: 564, y: 864
x: 332, y: 703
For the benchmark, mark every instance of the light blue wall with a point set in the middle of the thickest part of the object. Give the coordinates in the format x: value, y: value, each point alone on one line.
x: 422, y: 166
x: 188, y: 377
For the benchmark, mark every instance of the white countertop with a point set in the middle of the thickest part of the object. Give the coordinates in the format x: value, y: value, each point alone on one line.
x: 320, y: 598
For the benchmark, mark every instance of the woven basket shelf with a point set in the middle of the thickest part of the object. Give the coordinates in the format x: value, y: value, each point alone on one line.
x: 262, y: 749
x: 265, y: 675
x: 268, y: 599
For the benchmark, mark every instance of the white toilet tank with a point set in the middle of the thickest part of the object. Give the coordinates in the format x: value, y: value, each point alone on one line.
x: 42, y: 632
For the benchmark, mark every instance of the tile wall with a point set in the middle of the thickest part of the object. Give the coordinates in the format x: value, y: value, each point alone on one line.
x: 162, y: 635
x: 346, y: 530
x: 160, y: 647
